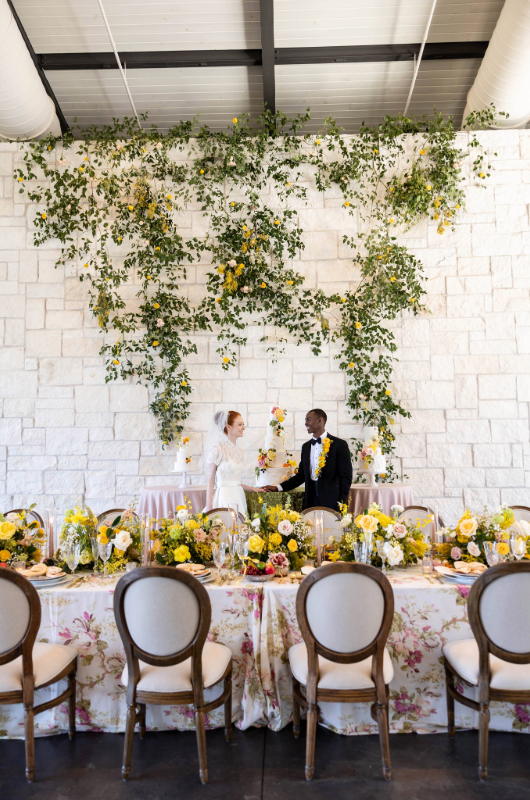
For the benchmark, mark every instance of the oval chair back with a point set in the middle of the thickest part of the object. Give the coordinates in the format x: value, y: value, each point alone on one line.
x: 225, y: 516
x: 412, y: 513
x: 521, y: 513
x: 30, y: 513
x: 108, y: 517
x: 20, y: 621
x: 331, y: 521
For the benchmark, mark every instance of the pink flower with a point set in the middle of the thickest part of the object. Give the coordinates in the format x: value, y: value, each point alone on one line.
x: 279, y: 560
x: 456, y: 553
x: 473, y: 549
x: 399, y: 530
x: 200, y: 535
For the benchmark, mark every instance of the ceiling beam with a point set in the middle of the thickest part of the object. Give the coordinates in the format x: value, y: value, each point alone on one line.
x: 164, y: 59
x: 268, y: 55
x: 49, y: 91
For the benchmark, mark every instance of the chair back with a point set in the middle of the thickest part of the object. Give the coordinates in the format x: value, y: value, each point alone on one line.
x: 30, y: 514
x: 499, y: 613
x: 521, y: 512
x: 412, y: 513
x: 331, y: 521
x: 163, y: 616
x: 225, y: 516
x: 108, y: 517
x: 327, y: 608
x: 19, y: 620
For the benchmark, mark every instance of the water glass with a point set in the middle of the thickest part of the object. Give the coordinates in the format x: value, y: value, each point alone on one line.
x: 242, y: 549
x: 219, y: 555
x: 105, y: 551
x: 360, y: 551
x: 382, y: 555
x: 232, y: 549
x: 369, y: 539
x: 72, y: 553
x: 518, y: 546
x: 491, y: 553
x: 94, y: 546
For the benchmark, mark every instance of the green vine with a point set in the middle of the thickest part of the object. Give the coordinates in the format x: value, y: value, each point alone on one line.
x: 119, y: 199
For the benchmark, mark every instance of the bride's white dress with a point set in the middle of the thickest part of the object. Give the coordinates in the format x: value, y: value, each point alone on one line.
x: 228, y: 459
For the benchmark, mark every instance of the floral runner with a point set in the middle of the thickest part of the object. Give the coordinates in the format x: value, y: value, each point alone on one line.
x: 258, y: 623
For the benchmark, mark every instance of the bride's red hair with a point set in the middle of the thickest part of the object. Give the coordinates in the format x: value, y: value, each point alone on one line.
x: 231, y: 418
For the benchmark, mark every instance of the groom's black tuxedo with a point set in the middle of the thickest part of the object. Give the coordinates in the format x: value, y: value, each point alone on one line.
x: 333, y: 484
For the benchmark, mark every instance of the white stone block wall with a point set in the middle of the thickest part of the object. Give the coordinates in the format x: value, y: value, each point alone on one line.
x: 463, y: 369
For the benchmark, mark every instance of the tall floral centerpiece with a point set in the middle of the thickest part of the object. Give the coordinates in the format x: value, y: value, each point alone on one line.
x: 405, y: 542
x: 280, y: 530
x: 21, y: 538
x: 79, y: 526
x: 125, y: 532
x: 188, y: 537
x: 467, y: 537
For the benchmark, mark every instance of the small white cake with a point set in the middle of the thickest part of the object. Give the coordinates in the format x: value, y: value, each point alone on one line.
x: 273, y: 462
x: 370, y: 460
x: 182, y: 464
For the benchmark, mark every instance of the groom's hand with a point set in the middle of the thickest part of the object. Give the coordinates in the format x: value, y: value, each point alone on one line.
x: 270, y: 488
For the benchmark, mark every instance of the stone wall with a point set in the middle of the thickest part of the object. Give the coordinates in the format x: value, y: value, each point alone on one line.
x: 463, y: 371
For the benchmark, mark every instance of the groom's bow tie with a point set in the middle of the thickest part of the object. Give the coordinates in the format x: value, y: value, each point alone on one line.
x: 316, y: 441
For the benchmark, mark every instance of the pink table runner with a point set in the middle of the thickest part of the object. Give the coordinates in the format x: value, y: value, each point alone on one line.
x: 161, y: 501
x: 385, y: 494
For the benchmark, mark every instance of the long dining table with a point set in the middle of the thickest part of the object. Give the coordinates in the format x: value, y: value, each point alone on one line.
x: 258, y: 622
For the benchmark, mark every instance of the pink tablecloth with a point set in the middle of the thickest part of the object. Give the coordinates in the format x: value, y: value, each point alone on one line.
x: 385, y: 494
x: 161, y: 501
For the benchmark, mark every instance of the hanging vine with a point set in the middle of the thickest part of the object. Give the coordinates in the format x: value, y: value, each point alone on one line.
x: 118, y: 200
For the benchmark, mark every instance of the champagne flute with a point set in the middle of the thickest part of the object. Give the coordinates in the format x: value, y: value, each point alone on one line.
x: 518, y: 546
x: 232, y: 545
x: 382, y: 555
x: 219, y: 555
x: 104, y: 553
x: 95, y: 554
x: 72, y: 552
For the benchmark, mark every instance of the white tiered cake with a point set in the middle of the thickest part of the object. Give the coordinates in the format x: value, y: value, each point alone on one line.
x: 370, y: 460
x: 273, y: 462
x: 182, y: 464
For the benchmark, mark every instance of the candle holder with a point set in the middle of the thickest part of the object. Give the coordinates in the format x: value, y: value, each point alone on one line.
x: 146, y: 539
x: 51, y: 526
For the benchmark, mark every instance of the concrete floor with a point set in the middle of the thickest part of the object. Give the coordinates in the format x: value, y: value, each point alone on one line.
x: 260, y: 765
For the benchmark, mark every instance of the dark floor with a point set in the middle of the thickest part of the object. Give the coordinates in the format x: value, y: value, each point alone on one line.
x: 260, y: 765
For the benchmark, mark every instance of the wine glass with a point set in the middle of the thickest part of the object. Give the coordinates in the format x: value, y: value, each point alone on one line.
x: 104, y: 551
x: 219, y: 555
x: 72, y: 553
x: 382, y: 555
x: 242, y: 549
x: 95, y: 554
x: 490, y: 551
x: 232, y: 548
x: 518, y: 546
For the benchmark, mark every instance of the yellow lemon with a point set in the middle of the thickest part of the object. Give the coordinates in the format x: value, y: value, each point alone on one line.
x: 351, y: 365
x: 184, y: 383
x: 155, y: 343
x: 131, y: 208
x: 428, y: 187
x: 235, y: 120
x: 358, y: 325
x: 226, y: 360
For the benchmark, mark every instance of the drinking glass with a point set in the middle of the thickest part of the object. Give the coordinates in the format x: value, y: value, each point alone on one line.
x: 94, y: 546
x: 382, y: 555
x: 490, y: 551
x: 242, y: 549
x: 232, y: 548
x: 518, y: 546
x: 104, y: 553
x: 360, y: 551
x: 369, y: 539
x: 219, y: 555
x: 72, y: 553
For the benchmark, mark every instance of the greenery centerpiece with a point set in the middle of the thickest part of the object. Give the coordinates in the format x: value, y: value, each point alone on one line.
x: 21, y: 538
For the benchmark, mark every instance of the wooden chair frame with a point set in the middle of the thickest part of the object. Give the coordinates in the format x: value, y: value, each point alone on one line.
x: 321, y: 508
x: 27, y: 696
x: 485, y: 646
x: 102, y: 516
x: 137, y: 700
x: 240, y: 517
x: 378, y: 696
x: 440, y: 521
x: 33, y: 513
x: 520, y: 508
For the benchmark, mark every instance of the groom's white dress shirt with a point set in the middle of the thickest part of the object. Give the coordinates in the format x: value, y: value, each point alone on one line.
x: 316, y: 450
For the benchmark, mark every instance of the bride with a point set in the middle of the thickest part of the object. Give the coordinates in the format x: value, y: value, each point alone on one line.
x: 224, y: 463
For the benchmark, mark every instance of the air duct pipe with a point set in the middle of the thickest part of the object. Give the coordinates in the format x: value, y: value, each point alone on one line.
x: 504, y: 75
x: 26, y: 110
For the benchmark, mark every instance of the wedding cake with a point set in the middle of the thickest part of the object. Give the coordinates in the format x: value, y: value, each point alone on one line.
x: 274, y: 465
x: 370, y: 460
x: 182, y: 464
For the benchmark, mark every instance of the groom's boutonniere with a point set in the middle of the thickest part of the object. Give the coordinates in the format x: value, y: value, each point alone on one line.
x: 326, y: 444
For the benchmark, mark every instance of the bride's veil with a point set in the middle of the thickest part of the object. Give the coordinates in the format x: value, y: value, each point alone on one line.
x: 215, y: 435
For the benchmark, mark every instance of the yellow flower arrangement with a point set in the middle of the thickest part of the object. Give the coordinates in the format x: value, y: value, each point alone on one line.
x: 326, y: 444
x: 182, y: 553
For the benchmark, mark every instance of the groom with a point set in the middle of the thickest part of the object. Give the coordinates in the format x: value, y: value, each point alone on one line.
x: 330, y: 485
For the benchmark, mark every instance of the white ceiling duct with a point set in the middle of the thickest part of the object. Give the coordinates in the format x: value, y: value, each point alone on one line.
x: 504, y: 75
x: 26, y: 110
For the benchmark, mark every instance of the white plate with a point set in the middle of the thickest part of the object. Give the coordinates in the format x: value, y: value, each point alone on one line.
x: 45, y: 578
x: 455, y: 578
x: 307, y: 570
x: 50, y: 584
x: 207, y: 579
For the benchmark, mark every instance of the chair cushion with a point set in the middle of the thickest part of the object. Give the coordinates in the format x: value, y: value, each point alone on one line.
x: 463, y: 656
x: 215, y: 659
x: 49, y: 660
x: 338, y: 676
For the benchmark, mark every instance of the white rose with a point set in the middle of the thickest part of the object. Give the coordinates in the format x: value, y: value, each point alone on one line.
x: 160, y: 323
x: 394, y: 554
x: 473, y: 549
x: 122, y: 540
x: 245, y: 289
x: 232, y: 263
x: 285, y: 527
x: 399, y: 509
x: 399, y: 530
x: 256, y: 524
x: 182, y: 515
x: 158, y: 145
x: 345, y: 521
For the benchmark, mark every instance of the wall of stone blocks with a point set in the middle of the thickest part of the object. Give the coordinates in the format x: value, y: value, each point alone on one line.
x: 463, y: 367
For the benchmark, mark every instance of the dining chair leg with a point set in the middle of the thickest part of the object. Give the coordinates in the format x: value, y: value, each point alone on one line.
x: 483, y: 731
x: 311, y: 734
x: 29, y: 739
x: 384, y: 738
x: 141, y: 719
x: 201, y: 745
x: 296, y: 710
x: 228, y: 707
x: 449, y: 682
x: 128, y: 744
x: 71, y: 704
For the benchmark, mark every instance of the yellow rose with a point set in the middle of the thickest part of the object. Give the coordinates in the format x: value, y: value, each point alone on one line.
x: 182, y: 553
x: 191, y: 525
x: 256, y: 544
x: 102, y: 539
x: 503, y: 548
x: 103, y: 529
x: 292, y: 545
x: 276, y: 538
x: 358, y: 520
x: 7, y: 530
x: 467, y: 527
x: 4, y: 555
x: 293, y: 516
x: 368, y: 523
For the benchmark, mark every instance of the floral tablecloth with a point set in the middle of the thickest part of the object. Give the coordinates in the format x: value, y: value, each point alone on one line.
x: 258, y: 623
